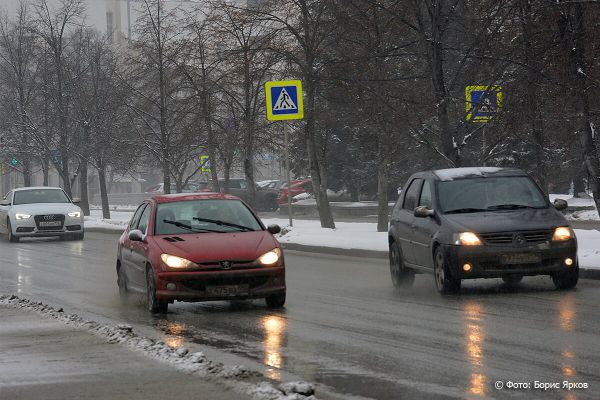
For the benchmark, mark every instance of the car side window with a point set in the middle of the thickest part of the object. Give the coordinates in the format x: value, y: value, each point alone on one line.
x: 136, y: 217
x: 144, y: 219
x: 425, y: 199
x: 410, y: 199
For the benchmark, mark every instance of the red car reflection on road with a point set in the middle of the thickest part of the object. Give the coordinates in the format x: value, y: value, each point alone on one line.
x: 197, y: 247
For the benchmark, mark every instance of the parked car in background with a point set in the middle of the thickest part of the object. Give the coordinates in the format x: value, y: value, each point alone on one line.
x: 40, y: 212
x: 266, y: 196
x: 270, y: 184
x: 297, y: 187
x: 160, y: 188
x: 467, y: 223
x: 199, y: 247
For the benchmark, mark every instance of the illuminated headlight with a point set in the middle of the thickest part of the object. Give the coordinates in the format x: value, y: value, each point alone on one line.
x: 177, y: 262
x: 562, y: 234
x: 466, y: 239
x: 22, y: 216
x: 75, y: 214
x: 270, y: 258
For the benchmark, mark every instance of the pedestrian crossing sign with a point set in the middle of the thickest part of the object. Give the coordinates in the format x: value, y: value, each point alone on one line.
x: 483, y: 102
x: 284, y: 100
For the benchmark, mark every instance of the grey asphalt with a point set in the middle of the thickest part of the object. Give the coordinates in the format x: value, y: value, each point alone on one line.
x: 346, y: 327
x: 41, y: 358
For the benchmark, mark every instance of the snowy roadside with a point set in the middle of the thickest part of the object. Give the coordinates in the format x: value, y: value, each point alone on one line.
x: 237, y: 378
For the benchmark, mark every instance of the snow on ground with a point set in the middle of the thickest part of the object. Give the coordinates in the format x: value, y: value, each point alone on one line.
x: 348, y: 235
x: 235, y: 377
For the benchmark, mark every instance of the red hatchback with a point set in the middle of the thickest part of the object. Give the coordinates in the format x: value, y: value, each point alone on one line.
x: 198, y: 247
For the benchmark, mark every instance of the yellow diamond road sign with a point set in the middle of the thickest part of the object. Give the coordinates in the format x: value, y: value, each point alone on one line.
x: 284, y: 100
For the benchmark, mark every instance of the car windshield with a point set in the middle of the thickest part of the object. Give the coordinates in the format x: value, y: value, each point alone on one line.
x: 40, y: 196
x: 489, y: 194
x: 204, y: 216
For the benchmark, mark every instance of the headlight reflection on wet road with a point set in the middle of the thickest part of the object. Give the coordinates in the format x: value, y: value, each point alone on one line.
x: 274, y: 328
x: 475, y: 335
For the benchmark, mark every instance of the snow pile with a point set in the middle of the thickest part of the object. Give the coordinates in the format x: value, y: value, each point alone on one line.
x: 457, y: 173
x: 181, y: 358
x: 588, y: 242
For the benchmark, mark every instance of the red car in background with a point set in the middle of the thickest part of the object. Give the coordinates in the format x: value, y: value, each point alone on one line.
x: 198, y: 247
x: 297, y: 187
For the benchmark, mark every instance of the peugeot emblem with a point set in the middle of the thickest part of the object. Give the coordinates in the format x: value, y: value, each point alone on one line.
x: 519, y: 239
x: 226, y: 264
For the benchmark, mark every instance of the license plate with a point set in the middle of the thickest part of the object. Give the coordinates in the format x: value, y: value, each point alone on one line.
x: 526, y: 258
x: 227, y: 291
x: 50, y: 223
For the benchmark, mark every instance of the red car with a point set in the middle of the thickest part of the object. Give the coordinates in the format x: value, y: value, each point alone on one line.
x: 198, y: 247
x: 298, y: 187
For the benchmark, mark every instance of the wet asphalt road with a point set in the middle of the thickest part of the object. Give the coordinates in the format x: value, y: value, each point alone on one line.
x: 345, y: 326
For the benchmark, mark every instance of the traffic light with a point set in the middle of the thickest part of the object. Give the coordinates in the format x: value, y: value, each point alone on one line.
x: 14, y: 162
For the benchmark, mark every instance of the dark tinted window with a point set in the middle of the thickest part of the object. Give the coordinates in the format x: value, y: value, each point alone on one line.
x: 425, y: 199
x: 136, y: 217
x: 412, y: 193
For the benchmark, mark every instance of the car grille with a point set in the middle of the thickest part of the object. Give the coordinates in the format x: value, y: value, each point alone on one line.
x: 201, y: 284
x: 506, y: 238
x: 40, y: 219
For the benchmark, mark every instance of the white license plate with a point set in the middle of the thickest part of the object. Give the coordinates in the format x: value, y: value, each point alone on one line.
x: 227, y: 291
x: 50, y: 223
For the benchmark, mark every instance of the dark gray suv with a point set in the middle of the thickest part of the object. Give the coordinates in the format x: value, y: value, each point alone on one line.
x: 466, y: 223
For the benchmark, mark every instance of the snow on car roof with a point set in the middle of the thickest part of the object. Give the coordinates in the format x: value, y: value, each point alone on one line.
x: 36, y: 188
x: 458, y: 173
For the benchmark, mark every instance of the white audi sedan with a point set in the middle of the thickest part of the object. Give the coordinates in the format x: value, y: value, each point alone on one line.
x: 40, y: 212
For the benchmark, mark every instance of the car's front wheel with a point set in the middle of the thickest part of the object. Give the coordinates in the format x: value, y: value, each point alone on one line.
x: 122, y: 284
x: 11, y: 237
x: 444, y: 281
x: 402, y: 277
x: 155, y: 305
x: 275, y: 300
x: 566, y: 279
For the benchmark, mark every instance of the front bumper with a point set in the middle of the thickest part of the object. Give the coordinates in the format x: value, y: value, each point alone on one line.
x: 29, y: 228
x: 196, y: 285
x: 489, y: 261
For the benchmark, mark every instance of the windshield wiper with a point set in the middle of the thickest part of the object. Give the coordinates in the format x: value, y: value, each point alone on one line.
x: 188, y: 227
x: 510, y: 207
x: 465, y: 210
x: 222, y: 223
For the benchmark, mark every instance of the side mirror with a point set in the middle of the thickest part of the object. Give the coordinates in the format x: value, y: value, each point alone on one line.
x: 423, y: 212
x: 4, y: 203
x: 76, y: 200
x: 274, y: 229
x: 136, y: 235
x: 560, y: 204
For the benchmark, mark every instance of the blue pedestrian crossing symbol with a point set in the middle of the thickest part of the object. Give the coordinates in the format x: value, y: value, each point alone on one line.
x: 284, y: 100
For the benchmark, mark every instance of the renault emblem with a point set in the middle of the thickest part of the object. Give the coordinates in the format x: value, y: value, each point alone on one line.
x: 519, y: 239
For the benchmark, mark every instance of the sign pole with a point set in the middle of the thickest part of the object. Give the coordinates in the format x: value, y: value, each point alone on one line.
x: 286, y: 145
x: 2, y: 180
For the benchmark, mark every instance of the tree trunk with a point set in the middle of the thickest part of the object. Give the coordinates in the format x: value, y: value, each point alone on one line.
x: 83, y: 184
x: 45, y: 171
x: 103, y: 191
x: 26, y: 171
x: 382, y: 195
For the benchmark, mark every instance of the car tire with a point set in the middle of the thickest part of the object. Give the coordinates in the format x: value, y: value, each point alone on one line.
x: 444, y: 281
x: 122, y: 284
x: 275, y: 300
x: 402, y: 277
x: 566, y: 279
x: 11, y: 238
x: 512, y: 279
x: 155, y: 306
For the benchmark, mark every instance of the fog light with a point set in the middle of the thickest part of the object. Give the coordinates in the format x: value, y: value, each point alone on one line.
x: 467, y: 267
x: 171, y: 286
x: 568, y: 262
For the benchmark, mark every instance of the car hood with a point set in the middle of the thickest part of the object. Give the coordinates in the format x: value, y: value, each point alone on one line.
x: 204, y: 247
x: 45, y: 208
x: 504, y: 221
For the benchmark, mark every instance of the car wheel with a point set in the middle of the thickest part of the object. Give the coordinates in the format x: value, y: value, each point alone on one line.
x: 444, y: 281
x: 122, y: 283
x: 566, y: 279
x: 275, y: 300
x: 155, y: 306
x: 402, y: 277
x: 512, y: 279
x: 11, y: 238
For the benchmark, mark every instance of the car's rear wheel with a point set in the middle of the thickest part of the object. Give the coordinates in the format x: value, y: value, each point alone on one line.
x: 275, y: 300
x: 566, y: 279
x: 402, y: 277
x: 444, y: 281
x: 122, y: 283
x: 512, y: 279
x: 155, y: 305
x: 11, y: 237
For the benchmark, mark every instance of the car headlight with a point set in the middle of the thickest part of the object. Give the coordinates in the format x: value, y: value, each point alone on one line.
x: 177, y: 262
x: 466, y: 239
x: 22, y: 216
x: 270, y: 258
x: 562, y: 234
x: 76, y: 214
